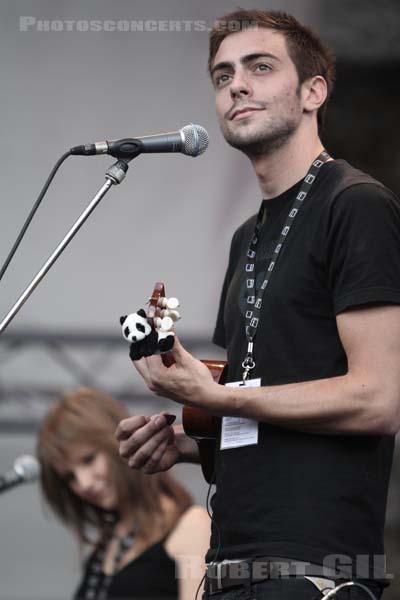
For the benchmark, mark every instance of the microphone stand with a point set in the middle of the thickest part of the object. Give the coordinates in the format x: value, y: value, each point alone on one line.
x: 114, y: 175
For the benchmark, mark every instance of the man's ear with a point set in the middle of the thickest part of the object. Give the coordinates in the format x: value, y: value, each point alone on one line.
x: 314, y: 92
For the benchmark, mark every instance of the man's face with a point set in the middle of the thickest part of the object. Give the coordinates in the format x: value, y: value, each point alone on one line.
x: 258, y: 99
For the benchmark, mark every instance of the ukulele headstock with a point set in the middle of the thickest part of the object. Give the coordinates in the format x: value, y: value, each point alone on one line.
x: 162, y: 311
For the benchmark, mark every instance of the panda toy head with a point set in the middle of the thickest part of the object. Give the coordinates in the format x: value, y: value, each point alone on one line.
x: 135, y: 326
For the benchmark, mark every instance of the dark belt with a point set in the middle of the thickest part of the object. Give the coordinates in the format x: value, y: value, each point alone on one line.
x: 226, y: 574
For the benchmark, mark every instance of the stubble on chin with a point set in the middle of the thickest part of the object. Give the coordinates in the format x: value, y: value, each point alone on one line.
x: 266, y: 140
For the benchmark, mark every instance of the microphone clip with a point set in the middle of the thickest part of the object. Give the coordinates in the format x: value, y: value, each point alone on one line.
x: 127, y: 148
x: 117, y: 172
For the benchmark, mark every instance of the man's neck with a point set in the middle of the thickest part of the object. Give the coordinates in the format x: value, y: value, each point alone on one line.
x: 283, y: 168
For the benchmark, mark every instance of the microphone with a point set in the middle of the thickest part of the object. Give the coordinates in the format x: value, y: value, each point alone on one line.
x: 191, y: 140
x: 26, y: 469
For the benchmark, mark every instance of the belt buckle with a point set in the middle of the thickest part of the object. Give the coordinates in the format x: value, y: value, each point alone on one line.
x: 216, y: 573
x: 219, y: 569
x: 219, y: 575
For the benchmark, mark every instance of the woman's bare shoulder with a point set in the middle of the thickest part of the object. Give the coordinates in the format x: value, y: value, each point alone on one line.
x: 191, y: 533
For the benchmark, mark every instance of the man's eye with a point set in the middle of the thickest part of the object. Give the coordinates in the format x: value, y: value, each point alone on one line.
x: 262, y: 67
x: 221, y: 79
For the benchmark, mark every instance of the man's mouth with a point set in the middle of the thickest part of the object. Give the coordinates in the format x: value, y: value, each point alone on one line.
x: 242, y: 113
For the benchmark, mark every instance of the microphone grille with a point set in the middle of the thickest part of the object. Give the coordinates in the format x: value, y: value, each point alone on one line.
x: 195, y: 140
x: 27, y: 467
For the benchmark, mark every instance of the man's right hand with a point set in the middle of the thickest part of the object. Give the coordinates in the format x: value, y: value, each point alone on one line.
x: 152, y: 445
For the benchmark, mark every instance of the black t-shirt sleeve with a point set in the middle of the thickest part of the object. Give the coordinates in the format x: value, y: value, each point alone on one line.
x: 219, y: 336
x: 362, y: 249
x: 219, y: 332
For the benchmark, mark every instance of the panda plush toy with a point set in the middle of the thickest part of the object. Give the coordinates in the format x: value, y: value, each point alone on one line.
x: 146, y: 340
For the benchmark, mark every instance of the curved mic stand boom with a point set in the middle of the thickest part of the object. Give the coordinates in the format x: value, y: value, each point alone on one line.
x: 114, y: 175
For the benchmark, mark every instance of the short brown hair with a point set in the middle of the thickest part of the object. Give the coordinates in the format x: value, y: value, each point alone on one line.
x: 91, y: 417
x: 309, y: 55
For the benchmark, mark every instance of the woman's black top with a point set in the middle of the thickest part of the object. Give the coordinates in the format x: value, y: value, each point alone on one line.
x: 149, y: 575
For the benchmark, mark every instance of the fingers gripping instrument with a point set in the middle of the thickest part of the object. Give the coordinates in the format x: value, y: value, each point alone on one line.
x: 199, y: 425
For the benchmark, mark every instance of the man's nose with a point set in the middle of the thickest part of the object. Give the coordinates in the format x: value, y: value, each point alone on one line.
x: 240, y: 86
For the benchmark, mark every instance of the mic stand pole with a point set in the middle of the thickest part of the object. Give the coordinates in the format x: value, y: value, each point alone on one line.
x: 115, y: 175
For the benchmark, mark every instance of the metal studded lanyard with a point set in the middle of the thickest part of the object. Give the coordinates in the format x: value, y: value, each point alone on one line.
x: 254, y: 301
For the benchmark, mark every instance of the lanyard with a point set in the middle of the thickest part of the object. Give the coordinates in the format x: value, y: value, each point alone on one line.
x: 254, y: 300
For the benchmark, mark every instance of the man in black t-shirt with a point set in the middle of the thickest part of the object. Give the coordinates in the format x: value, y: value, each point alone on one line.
x: 310, y: 318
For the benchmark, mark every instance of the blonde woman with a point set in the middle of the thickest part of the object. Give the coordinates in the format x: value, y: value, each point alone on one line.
x: 145, y: 538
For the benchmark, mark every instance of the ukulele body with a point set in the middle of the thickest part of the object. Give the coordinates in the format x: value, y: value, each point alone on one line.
x: 203, y: 427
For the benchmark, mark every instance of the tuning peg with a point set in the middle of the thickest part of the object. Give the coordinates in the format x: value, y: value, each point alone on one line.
x: 164, y: 324
x: 162, y: 302
x: 171, y: 303
x: 174, y: 314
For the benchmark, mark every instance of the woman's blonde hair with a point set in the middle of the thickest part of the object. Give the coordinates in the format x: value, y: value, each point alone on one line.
x: 91, y: 417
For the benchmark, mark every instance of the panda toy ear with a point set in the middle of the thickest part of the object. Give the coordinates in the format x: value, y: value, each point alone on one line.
x: 141, y: 313
x: 122, y: 320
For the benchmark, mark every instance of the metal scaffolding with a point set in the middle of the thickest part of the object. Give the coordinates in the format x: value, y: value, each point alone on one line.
x: 37, y: 366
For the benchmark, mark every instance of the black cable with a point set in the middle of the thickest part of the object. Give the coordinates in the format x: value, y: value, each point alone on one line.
x: 213, y: 523
x: 32, y: 213
x: 211, y: 515
x: 199, y: 586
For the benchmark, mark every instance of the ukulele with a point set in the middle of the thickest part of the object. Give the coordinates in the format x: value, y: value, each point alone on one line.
x: 197, y: 424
